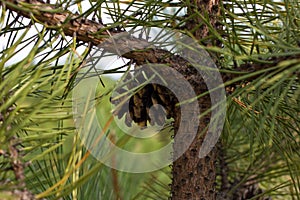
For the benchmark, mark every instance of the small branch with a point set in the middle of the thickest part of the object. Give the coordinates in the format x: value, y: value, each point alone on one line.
x: 16, y: 163
x: 85, y: 30
x: 16, y: 189
x: 54, y: 18
x: 18, y: 168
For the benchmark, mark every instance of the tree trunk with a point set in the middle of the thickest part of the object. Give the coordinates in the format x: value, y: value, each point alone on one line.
x: 194, y: 177
x: 195, y: 24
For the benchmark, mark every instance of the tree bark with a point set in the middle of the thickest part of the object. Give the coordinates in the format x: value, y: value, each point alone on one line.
x: 194, y: 177
x: 196, y: 11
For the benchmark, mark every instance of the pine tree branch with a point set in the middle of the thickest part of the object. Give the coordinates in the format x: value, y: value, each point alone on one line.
x: 55, y: 18
x: 85, y: 30
x: 96, y: 33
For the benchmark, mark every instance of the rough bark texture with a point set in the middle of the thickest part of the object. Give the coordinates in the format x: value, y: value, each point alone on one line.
x: 194, y: 178
x: 195, y: 24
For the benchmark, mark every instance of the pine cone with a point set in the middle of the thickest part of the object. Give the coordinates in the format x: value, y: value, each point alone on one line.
x: 143, y: 102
